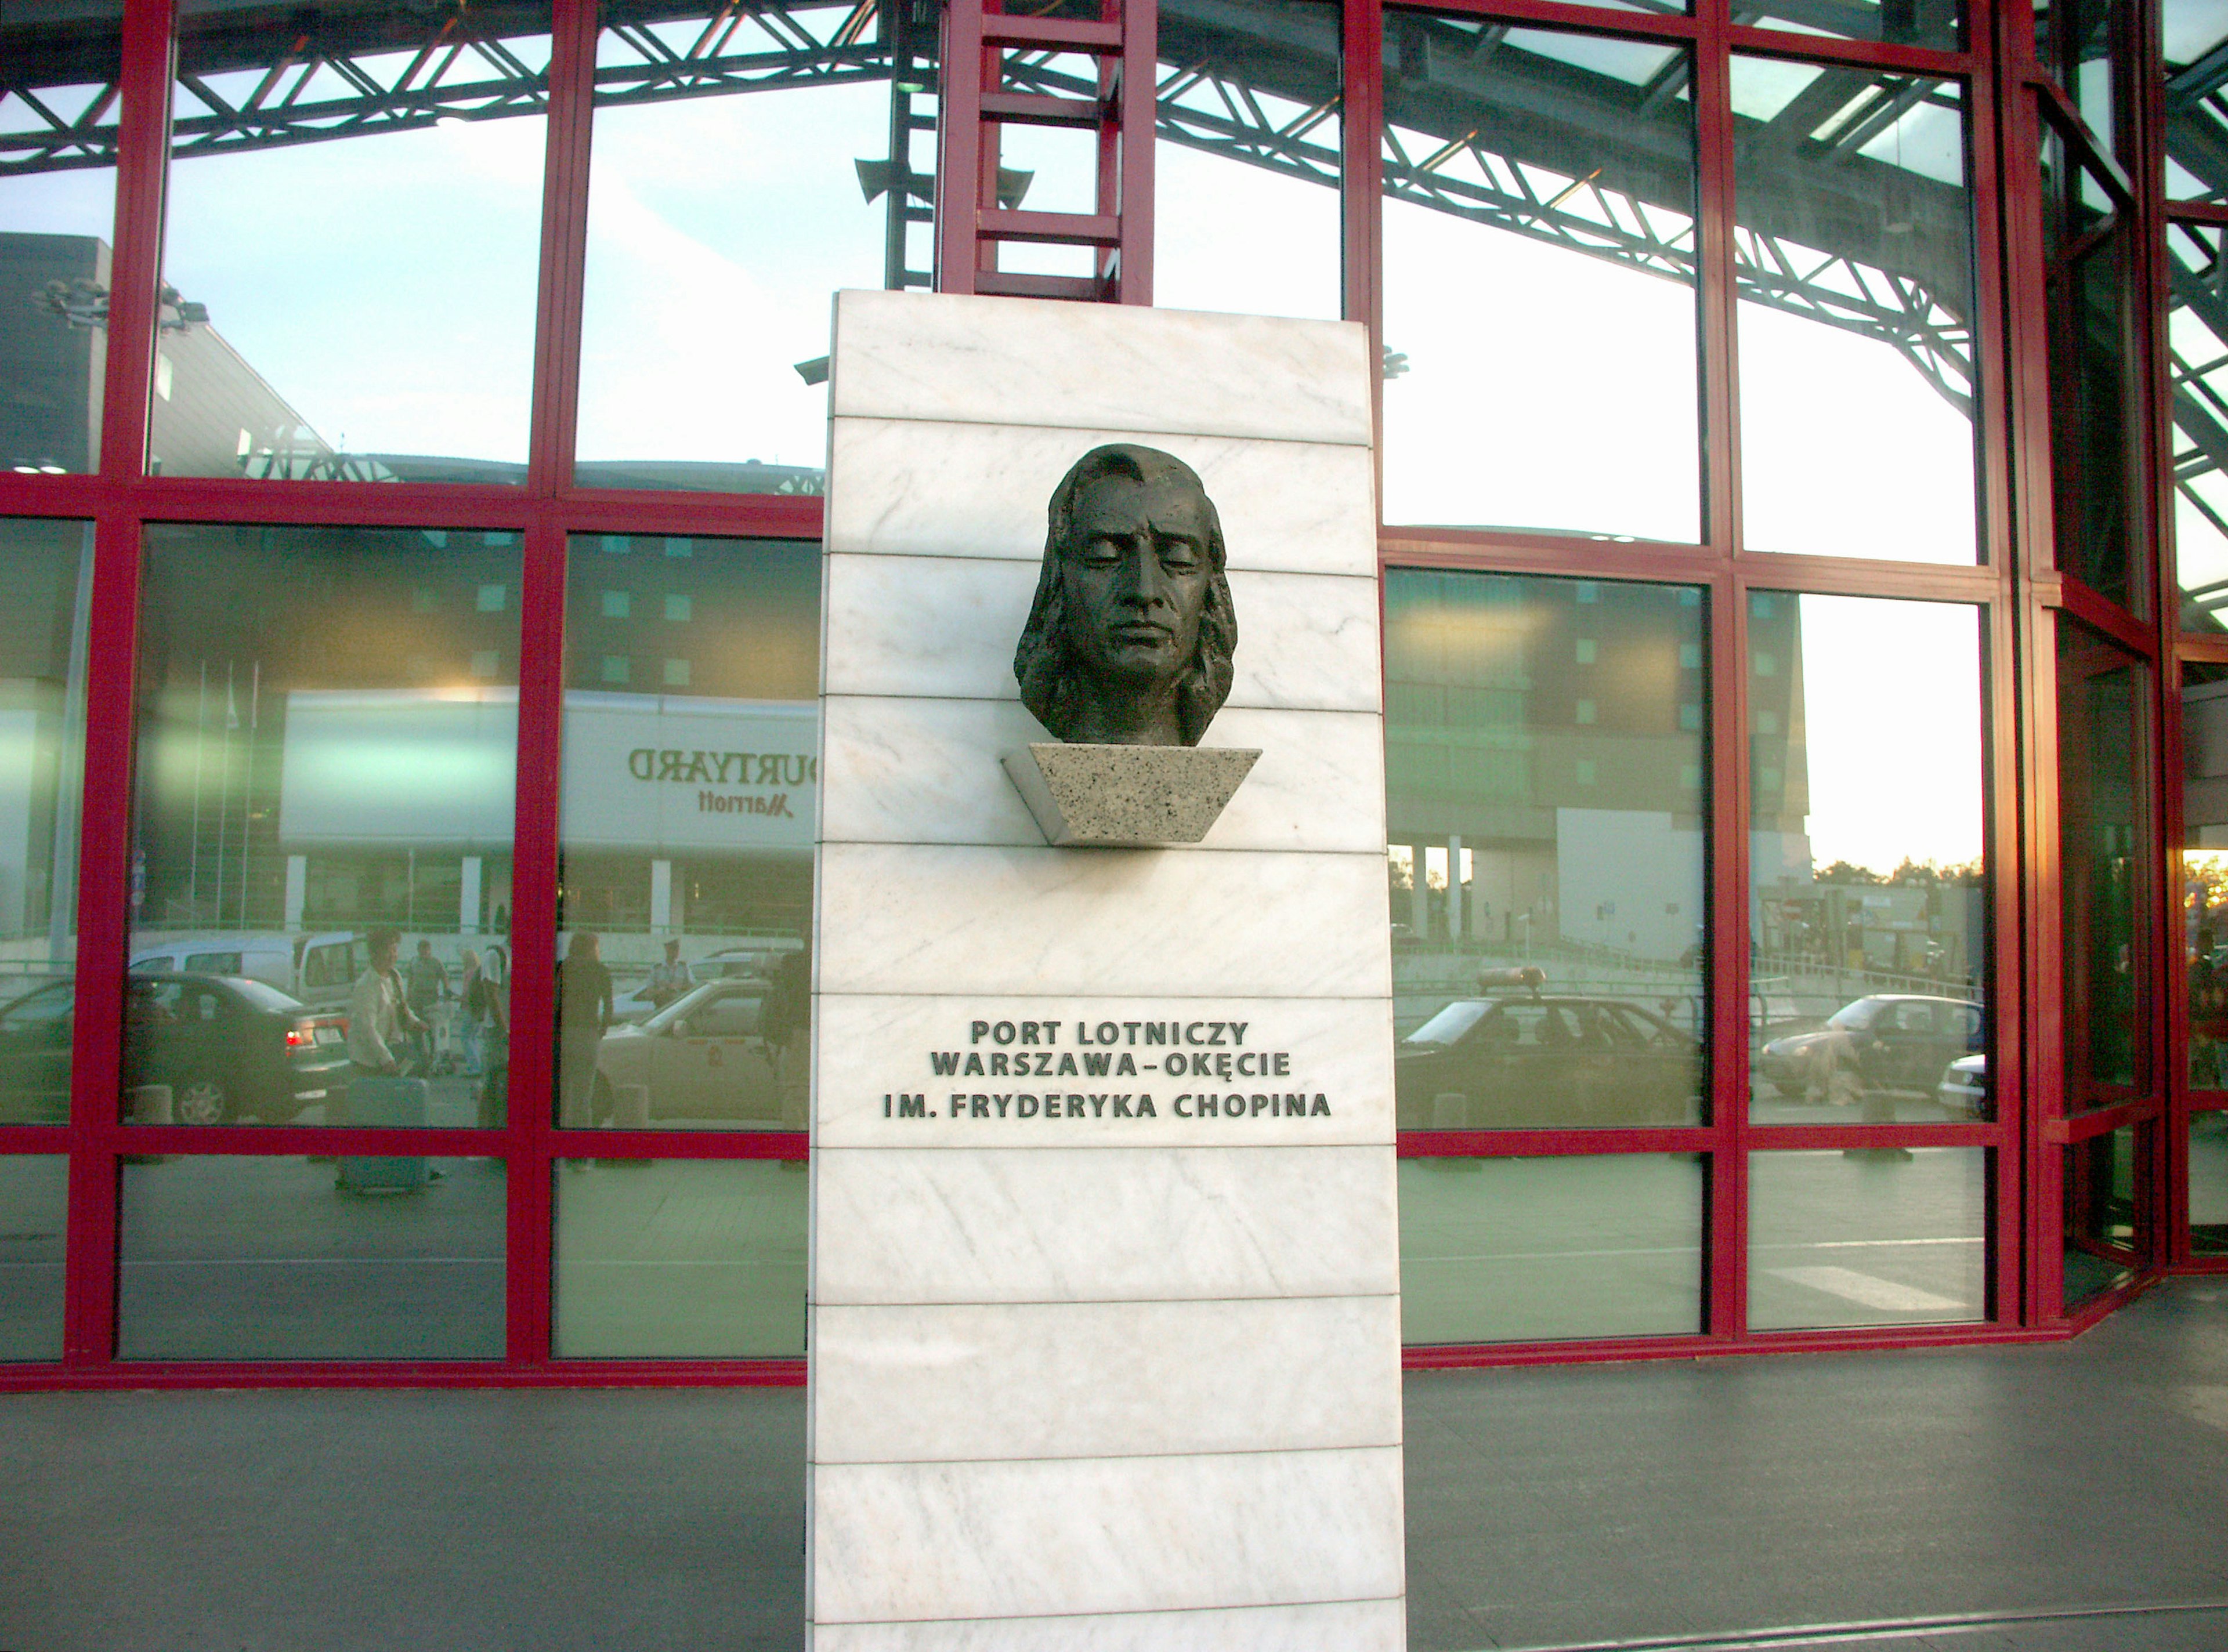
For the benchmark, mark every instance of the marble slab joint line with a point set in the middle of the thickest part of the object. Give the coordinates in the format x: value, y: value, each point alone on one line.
x: 1124, y: 1611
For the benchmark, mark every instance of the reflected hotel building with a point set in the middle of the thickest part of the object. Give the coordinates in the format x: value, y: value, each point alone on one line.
x: 1802, y: 544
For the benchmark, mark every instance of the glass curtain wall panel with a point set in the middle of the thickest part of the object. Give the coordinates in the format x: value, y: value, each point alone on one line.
x: 34, y: 1237
x: 1853, y: 260
x: 2190, y: 34
x: 745, y: 164
x: 1939, y: 24
x: 1869, y: 1236
x: 1538, y: 281
x: 2208, y: 1182
x: 352, y: 241
x: 2104, y: 1197
x: 1246, y: 170
x: 2204, y: 938
x: 2103, y: 806
x: 692, y: 723
x: 2197, y: 367
x: 679, y: 1259
x: 46, y: 590
x: 326, y: 780
x: 1499, y: 1250
x: 1868, y: 910
x: 236, y: 1258
x: 2095, y: 412
x: 58, y: 121
x: 1543, y: 752
x: 2092, y: 48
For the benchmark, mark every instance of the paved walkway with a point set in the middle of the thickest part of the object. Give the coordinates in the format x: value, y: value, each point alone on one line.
x: 2071, y: 1498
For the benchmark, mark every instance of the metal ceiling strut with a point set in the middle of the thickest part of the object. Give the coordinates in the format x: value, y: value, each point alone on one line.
x: 979, y: 212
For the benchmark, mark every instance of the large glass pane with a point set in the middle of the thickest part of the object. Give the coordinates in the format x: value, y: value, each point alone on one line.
x: 46, y: 584
x: 353, y: 232
x: 58, y: 111
x: 2208, y: 1184
x: 327, y: 751
x: 33, y: 1206
x: 685, y: 858
x: 1246, y: 169
x: 2196, y: 366
x: 1545, y: 812
x: 679, y: 1259
x: 746, y: 165
x: 2205, y: 870
x: 1538, y: 281
x: 1873, y: 1236
x: 311, y: 1259
x: 2095, y: 417
x: 1937, y: 23
x: 1854, y: 253
x: 2100, y: 806
x: 2104, y: 1195
x: 2091, y: 47
x: 2192, y: 32
x: 1502, y: 1250
x: 1867, y: 880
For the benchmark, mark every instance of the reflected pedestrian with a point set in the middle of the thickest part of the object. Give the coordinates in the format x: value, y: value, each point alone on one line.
x: 584, y: 1011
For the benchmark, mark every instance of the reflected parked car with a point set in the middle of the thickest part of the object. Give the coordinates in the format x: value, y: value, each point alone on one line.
x: 1890, y: 1041
x: 701, y: 1056
x: 226, y: 1047
x: 1964, y: 1086
x: 1545, y: 1060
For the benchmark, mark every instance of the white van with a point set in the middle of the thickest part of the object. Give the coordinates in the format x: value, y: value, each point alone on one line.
x: 318, y: 969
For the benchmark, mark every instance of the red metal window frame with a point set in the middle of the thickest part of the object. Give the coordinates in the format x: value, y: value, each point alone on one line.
x: 2016, y: 589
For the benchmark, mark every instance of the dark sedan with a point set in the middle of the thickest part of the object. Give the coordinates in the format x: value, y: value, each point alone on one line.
x: 1546, y: 1061
x: 226, y: 1048
x: 1888, y: 1042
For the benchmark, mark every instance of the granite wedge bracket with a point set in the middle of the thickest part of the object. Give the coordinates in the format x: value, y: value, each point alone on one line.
x: 1126, y: 797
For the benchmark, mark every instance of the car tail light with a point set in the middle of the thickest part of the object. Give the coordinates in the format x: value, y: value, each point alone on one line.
x: 302, y: 1035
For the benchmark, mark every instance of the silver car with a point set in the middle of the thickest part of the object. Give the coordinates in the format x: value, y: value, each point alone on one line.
x: 701, y: 1056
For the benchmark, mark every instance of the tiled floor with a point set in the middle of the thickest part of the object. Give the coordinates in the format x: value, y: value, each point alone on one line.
x: 1883, y: 1500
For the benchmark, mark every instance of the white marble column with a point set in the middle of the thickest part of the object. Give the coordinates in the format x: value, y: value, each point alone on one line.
x: 1106, y: 1376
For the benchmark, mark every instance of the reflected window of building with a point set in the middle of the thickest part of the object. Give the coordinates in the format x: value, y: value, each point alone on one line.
x: 2104, y: 1195
x: 1246, y: 169
x: 33, y: 1205
x: 283, y: 256
x: 2103, y: 805
x: 685, y: 850
x: 1869, y: 1236
x: 57, y: 113
x: 1868, y: 907
x: 1853, y: 257
x: 1539, y: 245
x: 1509, y: 1250
x: 1547, y: 812
x: 239, y: 1258
x: 679, y: 1259
x: 2204, y: 871
x: 46, y: 590
x: 320, y: 766
x: 745, y: 166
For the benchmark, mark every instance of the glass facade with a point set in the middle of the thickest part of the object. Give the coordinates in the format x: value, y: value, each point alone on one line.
x: 1795, y: 519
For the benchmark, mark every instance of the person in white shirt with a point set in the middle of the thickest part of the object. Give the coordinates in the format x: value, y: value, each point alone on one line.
x: 378, y: 1016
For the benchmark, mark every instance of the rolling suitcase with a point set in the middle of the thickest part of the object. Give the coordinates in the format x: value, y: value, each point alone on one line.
x: 390, y: 1103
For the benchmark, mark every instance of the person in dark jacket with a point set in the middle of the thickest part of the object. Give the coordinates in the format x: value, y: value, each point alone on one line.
x: 584, y: 1010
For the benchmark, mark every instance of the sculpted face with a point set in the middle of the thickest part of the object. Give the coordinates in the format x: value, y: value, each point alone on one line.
x: 1135, y: 579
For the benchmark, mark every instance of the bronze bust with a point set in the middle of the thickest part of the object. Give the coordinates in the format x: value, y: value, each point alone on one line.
x: 1129, y: 642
